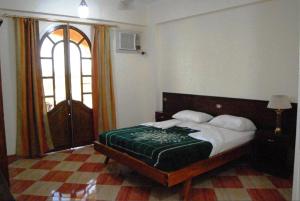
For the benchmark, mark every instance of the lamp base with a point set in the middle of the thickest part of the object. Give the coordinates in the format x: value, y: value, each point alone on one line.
x: 278, y: 129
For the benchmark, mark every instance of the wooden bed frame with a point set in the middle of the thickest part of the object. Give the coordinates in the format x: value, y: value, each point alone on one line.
x: 172, y: 103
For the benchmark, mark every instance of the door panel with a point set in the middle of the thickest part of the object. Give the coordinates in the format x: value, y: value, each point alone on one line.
x: 82, y: 118
x: 82, y: 113
x: 59, y: 125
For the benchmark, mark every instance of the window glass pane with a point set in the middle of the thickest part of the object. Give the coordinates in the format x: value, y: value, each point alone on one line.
x: 75, y: 72
x: 87, y: 67
x: 87, y: 84
x: 56, y: 67
x: 49, y: 103
x: 46, y: 67
x: 87, y: 100
x: 59, y: 69
x: 85, y: 49
x: 57, y: 35
x: 75, y: 36
x: 48, y: 87
x: 46, y: 49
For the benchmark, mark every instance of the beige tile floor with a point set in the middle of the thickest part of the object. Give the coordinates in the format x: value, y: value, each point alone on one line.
x: 81, y: 175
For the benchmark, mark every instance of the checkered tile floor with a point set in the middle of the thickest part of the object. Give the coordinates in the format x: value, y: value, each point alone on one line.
x: 81, y: 175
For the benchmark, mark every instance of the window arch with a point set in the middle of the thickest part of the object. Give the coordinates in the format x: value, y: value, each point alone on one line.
x: 66, y: 64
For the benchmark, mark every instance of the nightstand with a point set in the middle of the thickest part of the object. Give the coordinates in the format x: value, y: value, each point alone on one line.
x: 272, y: 153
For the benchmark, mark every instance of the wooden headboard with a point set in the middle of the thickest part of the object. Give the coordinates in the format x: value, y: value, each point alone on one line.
x: 256, y: 110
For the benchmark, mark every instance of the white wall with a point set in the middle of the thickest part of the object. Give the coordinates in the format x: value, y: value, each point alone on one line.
x: 106, y: 10
x: 245, y: 52
x: 170, y: 10
x: 134, y: 84
x: 296, y: 180
x: 296, y: 186
x: 8, y: 71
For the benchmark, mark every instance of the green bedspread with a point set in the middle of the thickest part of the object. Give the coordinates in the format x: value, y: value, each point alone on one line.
x: 168, y: 149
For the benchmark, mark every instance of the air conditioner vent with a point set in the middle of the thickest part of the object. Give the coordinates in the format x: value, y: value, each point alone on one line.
x: 128, y: 41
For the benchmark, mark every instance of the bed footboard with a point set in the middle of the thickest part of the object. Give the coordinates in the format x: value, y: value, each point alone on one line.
x: 169, y: 179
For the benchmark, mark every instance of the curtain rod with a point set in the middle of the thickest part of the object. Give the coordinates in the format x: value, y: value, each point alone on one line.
x: 56, y: 20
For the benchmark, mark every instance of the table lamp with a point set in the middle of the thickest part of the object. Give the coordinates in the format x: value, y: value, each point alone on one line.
x: 279, y: 103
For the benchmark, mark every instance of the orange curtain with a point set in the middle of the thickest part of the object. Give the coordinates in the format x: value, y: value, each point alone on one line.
x: 104, y: 112
x: 33, y: 134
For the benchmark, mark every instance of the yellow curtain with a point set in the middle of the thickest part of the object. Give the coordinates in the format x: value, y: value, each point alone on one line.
x: 104, y: 112
x: 33, y: 134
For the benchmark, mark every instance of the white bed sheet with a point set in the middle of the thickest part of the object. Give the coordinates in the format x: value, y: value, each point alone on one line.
x: 222, y: 139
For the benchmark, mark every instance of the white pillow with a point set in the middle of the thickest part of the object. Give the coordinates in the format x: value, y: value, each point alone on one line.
x: 189, y: 115
x: 233, y: 123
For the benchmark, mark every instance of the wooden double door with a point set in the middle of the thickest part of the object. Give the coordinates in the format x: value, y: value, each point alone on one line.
x: 66, y: 64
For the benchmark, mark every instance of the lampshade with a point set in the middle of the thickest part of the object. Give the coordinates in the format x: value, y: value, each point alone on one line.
x: 279, y: 102
x: 83, y: 9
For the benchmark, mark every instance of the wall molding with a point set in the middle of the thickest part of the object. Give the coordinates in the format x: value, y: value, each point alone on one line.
x: 58, y: 17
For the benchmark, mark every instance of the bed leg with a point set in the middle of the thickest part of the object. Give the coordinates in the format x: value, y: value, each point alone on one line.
x: 106, y: 160
x: 186, y: 190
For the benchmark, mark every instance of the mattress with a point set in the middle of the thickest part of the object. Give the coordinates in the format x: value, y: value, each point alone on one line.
x: 222, y: 139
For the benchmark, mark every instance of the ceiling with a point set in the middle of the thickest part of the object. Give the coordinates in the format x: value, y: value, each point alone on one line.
x: 134, y: 4
x: 147, y: 1
x: 141, y: 1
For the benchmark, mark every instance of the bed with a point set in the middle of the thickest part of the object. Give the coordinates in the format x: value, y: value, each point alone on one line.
x: 169, y: 175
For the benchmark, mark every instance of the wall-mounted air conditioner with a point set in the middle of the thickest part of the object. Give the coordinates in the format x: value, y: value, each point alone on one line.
x: 128, y: 41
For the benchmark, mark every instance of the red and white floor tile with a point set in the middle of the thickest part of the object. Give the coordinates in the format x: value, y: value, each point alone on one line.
x: 81, y: 175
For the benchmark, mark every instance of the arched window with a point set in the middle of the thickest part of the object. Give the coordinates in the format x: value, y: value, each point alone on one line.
x: 66, y: 66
